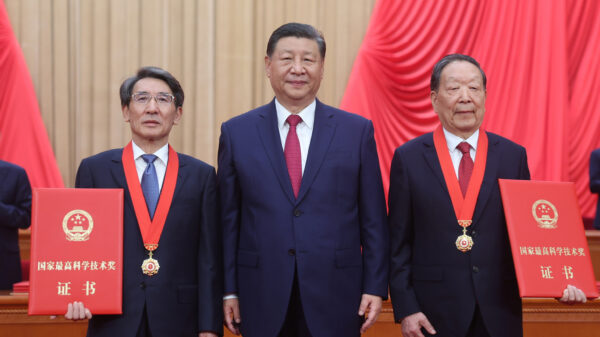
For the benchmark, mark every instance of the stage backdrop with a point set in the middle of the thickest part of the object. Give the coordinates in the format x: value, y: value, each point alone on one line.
x: 541, y: 59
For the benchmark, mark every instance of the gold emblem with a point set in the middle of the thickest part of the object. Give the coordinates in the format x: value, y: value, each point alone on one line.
x: 464, y: 243
x: 545, y: 214
x: 150, y: 266
x: 78, y: 225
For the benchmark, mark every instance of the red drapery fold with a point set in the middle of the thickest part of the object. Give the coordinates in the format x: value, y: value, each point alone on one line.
x: 541, y: 59
x: 23, y: 138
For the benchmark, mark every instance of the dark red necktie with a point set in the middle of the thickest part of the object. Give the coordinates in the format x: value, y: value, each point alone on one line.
x: 291, y: 151
x: 465, y: 168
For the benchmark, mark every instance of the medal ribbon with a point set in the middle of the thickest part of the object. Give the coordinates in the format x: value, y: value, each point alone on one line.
x: 463, y: 206
x: 150, y: 229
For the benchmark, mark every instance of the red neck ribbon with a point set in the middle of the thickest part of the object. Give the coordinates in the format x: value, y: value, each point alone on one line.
x: 463, y: 206
x: 150, y: 229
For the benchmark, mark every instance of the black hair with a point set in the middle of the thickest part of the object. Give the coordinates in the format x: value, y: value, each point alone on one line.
x: 154, y: 72
x: 436, y: 74
x: 299, y: 30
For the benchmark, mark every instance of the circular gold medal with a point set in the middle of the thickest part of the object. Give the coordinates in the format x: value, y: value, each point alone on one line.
x: 464, y: 243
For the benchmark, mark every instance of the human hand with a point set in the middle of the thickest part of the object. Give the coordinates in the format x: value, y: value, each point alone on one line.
x: 572, y: 295
x: 231, y: 312
x: 412, y: 324
x: 371, y: 306
x: 77, y: 311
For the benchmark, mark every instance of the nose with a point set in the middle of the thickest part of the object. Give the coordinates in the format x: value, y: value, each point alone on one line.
x: 297, y: 67
x: 152, y: 106
x: 464, y: 95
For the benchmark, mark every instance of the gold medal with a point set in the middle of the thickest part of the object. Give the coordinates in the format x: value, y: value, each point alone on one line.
x: 464, y: 242
x: 150, y: 266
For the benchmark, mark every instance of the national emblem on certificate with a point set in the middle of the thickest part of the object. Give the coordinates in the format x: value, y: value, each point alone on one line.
x: 547, y: 238
x: 76, y: 250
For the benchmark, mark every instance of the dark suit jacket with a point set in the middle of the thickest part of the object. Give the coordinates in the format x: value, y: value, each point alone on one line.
x: 268, y: 232
x: 15, y: 213
x: 185, y: 297
x: 427, y: 272
x: 595, y: 181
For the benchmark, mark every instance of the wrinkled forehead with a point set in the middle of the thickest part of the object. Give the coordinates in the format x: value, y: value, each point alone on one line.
x: 461, y: 71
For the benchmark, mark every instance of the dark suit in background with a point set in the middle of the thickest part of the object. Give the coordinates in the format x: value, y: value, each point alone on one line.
x: 184, y: 297
x: 15, y: 213
x: 595, y: 182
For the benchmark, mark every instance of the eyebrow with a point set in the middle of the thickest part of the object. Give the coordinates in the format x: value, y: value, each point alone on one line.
x: 158, y: 93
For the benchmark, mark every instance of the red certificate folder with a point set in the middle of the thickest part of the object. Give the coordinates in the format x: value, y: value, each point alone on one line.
x: 547, y: 238
x: 76, y: 250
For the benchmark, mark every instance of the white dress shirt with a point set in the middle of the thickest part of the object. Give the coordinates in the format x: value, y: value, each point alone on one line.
x: 160, y: 164
x: 453, y: 140
x: 303, y: 129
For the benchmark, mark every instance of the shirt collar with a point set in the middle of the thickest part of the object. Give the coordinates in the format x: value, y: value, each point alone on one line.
x: 162, y: 153
x: 453, y: 140
x: 307, y: 114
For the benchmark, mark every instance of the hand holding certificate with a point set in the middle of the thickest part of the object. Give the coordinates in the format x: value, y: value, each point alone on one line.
x: 547, y: 239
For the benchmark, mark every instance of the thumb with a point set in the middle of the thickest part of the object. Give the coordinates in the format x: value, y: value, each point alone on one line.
x: 425, y: 323
x: 364, y: 304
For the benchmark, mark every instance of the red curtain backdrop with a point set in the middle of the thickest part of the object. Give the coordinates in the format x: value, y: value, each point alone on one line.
x: 23, y: 138
x: 541, y: 59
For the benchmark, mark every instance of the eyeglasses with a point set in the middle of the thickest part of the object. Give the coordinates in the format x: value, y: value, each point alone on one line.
x: 161, y: 99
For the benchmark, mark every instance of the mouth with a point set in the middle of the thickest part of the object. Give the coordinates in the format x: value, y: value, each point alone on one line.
x: 297, y: 83
x: 151, y: 123
x: 460, y: 112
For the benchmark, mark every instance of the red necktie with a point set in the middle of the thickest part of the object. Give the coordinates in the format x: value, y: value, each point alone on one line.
x: 291, y: 151
x: 465, y: 168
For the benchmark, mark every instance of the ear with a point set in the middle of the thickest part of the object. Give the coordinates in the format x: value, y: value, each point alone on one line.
x: 178, y: 113
x: 268, y: 66
x: 322, y: 70
x: 434, y: 97
x: 125, y: 110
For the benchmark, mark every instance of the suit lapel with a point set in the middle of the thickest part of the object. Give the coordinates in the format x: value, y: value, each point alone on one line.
x: 323, y: 131
x: 433, y: 161
x: 117, y: 170
x: 181, y: 176
x: 489, y: 178
x: 268, y: 132
x: 118, y: 173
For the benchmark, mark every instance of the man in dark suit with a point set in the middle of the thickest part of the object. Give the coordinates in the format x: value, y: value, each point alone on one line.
x: 303, y: 210
x: 453, y: 277
x: 15, y: 213
x: 174, y: 289
x: 595, y: 182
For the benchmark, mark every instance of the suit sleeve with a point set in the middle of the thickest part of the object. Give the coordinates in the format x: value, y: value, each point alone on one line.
x: 17, y: 214
x: 210, y: 263
x: 229, y: 193
x: 401, y: 220
x: 373, y: 229
x: 595, y: 171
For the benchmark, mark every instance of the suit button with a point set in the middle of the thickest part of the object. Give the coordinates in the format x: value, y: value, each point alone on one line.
x: 297, y: 212
x: 475, y: 269
x: 292, y: 252
x: 143, y: 285
x: 473, y: 234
